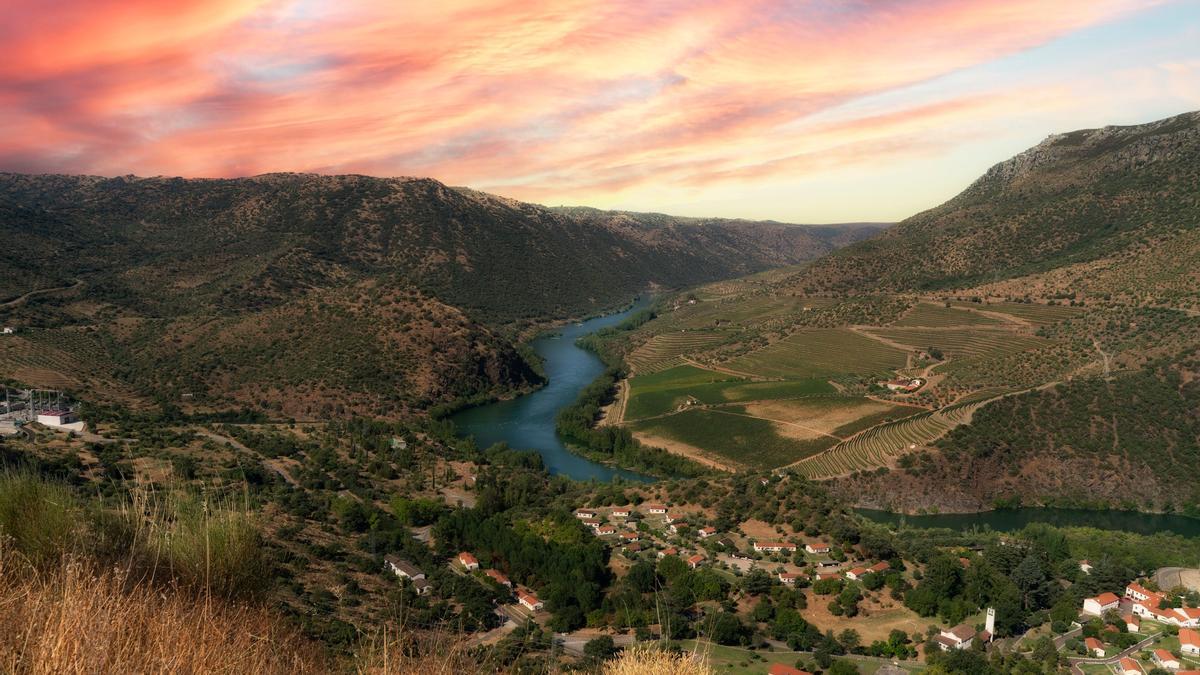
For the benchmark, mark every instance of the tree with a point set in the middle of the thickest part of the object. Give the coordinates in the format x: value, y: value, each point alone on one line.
x: 727, y: 629
x: 599, y: 649
x: 842, y: 667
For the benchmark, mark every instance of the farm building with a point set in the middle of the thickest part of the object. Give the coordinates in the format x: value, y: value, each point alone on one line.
x: 422, y: 586
x: 402, y: 568
x: 774, y: 546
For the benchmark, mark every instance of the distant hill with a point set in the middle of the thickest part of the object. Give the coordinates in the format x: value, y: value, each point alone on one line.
x: 311, y: 292
x: 1072, y: 199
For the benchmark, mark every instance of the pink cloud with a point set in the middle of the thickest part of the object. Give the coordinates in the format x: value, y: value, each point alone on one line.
x: 558, y: 99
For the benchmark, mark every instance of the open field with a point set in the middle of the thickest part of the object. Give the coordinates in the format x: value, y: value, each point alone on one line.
x: 822, y: 352
x: 664, y: 391
x: 738, y: 311
x: 733, y: 438
x: 666, y: 349
x: 960, y: 343
x: 1036, y: 314
x: 935, y: 316
x: 881, y: 445
x: 840, y: 416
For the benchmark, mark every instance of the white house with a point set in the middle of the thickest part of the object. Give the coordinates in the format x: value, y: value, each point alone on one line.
x: 857, y: 573
x: 468, y: 561
x: 1101, y: 603
x: 8, y: 330
x: 788, y: 578
x: 605, y: 530
x: 402, y: 568
x: 1130, y: 667
x: 706, y: 532
x: 1133, y: 623
x: 959, y: 637
x: 656, y: 509
x: 621, y: 513
x: 816, y: 547
x: 695, y: 561
x: 1166, y: 659
x: 422, y: 586
x: 585, y: 515
x: 1189, y: 641
x: 1094, y: 647
x: 529, y: 601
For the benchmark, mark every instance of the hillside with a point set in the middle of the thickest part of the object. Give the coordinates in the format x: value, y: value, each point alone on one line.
x: 303, y: 293
x: 1075, y: 198
x: 1047, y: 315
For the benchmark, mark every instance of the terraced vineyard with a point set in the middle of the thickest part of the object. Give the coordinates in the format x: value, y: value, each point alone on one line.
x: 963, y: 343
x: 821, y: 352
x: 930, y: 315
x: 1037, y: 314
x: 879, y: 446
x: 666, y: 350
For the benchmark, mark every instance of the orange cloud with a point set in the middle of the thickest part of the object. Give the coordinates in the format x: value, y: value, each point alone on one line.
x: 567, y: 100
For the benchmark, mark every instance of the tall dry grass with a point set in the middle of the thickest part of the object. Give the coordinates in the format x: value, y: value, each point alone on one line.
x: 647, y: 660
x: 71, y: 618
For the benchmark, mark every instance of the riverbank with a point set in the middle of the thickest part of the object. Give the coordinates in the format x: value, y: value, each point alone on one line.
x: 1011, y: 520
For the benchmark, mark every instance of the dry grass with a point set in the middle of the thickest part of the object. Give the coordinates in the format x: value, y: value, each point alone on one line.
x: 432, y: 653
x: 650, y: 661
x: 72, y: 619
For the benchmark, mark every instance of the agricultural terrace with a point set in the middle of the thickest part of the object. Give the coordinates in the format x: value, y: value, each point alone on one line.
x: 939, y: 316
x: 1036, y: 314
x: 737, y: 312
x: 665, y: 391
x: 962, y: 343
x: 667, y: 350
x: 881, y: 445
x: 821, y: 352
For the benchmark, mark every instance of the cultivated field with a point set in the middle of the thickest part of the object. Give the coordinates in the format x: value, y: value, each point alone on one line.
x: 734, y: 438
x: 666, y: 350
x: 938, y: 316
x: 1033, y: 313
x: 665, y: 391
x: 822, y: 352
x: 960, y: 343
x: 881, y: 445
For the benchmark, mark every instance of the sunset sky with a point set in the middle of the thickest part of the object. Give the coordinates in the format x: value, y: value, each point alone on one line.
x: 817, y: 111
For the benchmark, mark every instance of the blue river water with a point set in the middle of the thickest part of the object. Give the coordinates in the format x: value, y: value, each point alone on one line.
x: 527, y: 422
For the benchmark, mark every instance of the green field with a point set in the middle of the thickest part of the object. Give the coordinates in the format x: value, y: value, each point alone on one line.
x: 747, y: 441
x: 663, y: 392
x: 822, y: 352
x: 925, y: 314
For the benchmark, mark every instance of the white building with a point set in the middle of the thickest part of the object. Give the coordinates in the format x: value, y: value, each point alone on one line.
x: 1101, y: 603
x: 529, y: 601
x: 62, y: 419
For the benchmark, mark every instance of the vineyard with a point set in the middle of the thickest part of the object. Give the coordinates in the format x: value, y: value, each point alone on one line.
x: 65, y: 358
x: 667, y: 350
x: 821, y: 352
x: 881, y: 445
x: 665, y: 391
x: 938, y: 316
x: 963, y: 343
x: 1036, y: 314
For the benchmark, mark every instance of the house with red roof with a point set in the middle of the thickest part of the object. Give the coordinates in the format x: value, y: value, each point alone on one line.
x: 668, y: 551
x: 1189, y: 641
x: 1094, y: 647
x: 817, y: 547
x: 694, y: 561
x: 1133, y: 623
x: 880, y: 567
x: 468, y: 561
x: 706, y: 532
x: 857, y: 573
x: 1165, y: 659
x: 1101, y: 603
x: 498, y: 577
x: 1130, y: 667
x: 784, y: 669
x: 529, y: 601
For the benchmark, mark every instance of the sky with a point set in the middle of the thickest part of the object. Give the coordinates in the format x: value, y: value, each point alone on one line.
x: 800, y: 111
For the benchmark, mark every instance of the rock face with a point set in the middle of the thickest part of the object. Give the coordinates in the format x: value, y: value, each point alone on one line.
x: 307, y: 293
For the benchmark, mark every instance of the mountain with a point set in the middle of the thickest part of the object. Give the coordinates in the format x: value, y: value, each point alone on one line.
x: 309, y: 293
x: 1073, y: 199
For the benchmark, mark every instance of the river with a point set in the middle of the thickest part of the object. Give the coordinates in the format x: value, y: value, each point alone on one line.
x: 527, y: 422
x: 1010, y: 520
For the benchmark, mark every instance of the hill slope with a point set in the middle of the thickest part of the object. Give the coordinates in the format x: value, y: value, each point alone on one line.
x: 1074, y: 198
x: 307, y: 292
